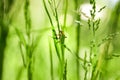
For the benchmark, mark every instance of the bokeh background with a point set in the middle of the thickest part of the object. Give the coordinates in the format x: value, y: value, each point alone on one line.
x: 11, y: 64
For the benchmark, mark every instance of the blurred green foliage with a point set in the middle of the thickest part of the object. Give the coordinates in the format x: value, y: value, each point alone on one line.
x: 77, y: 40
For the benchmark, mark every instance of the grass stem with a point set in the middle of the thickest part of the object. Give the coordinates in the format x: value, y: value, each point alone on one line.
x: 51, y: 62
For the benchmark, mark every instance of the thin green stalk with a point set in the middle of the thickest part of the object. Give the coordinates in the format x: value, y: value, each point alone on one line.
x: 30, y: 75
x: 61, y: 35
x: 93, y: 26
x: 23, y: 57
x: 78, y: 46
x: 51, y: 62
x: 56, y: 15
x: 77, y: 38
x: 65, y: 14
x: 76, y: 57
x: 29, y: 46
x: 62, y: 32
x: 48, y: 14
x: 65, y: 71
x: 53, y: 30
x: 85, y: 66
x: 94, y: 68
x: 60, y: 38
x: 22, y: 42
